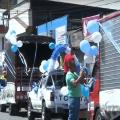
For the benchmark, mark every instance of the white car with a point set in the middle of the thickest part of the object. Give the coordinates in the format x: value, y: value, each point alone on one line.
x: 49, y: 96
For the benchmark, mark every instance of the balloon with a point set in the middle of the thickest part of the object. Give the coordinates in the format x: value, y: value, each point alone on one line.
x: 85, y: 46
x: 56, y: 64
x: 13, y: 33
x: 93, y: 51
x: 78, y: 68
x: 41, y: 69
x: 88, y: 59
x: 51, y: 45
x: 14, y: 48
x: 13, y: 40
x: 85, y: 91
x: 45, y: 66
x: 92, y: 26
x: 96, y: 37
x: 19, y: 43
x: 68, y: 50
x: 51, y: 65
x: 64, y: 90
x: 58, y: 49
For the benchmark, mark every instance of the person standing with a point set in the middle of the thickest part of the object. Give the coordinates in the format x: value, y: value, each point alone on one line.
x: 73, y: 82
x: 68, y: 57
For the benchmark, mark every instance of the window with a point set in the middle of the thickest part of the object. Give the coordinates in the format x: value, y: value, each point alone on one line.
x: 19, y: 1
x: 49, y: 81
x: 59, y: 80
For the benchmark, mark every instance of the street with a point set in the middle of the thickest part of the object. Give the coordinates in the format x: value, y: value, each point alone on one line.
x: 22, y: 116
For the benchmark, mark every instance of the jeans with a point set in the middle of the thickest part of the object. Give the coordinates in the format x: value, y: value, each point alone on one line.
x: 74, y: 108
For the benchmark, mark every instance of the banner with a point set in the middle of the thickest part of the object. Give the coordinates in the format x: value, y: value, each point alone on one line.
x: 56, y: 29
x: 60, y: 35
x: 85, y: 21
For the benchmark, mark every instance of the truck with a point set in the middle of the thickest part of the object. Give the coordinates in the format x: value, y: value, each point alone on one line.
x: 104, y: 97
x: 50, y: 96
x: 22, y: 68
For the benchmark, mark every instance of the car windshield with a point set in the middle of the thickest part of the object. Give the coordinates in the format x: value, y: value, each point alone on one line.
x: 59, y: 80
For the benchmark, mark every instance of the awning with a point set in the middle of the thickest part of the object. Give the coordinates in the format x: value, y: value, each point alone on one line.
x: 28, y: 38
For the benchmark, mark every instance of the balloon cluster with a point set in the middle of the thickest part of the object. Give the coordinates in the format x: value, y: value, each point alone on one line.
x: 93, y: 29
x: 87, y: 49
x: 45, y: 65
x: 52, y: 63
x: 11, y: 36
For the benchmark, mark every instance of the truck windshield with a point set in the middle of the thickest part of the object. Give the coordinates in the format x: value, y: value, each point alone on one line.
x: 59, y: 80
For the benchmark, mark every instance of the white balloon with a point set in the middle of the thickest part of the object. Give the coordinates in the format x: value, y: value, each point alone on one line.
x: 68, y: 50
x: 96, y: 37
x: 19, y: 43
x: 88, y: 59
x: 13, y: 40
x: 41, y: 69
x: 64, y: 90
x: 7, y: 36
x: 56, y: 65
x: 43, y: 62
x: 51, y: 65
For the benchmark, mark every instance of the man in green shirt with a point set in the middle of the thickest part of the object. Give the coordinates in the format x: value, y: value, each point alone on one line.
x: 73, y: 82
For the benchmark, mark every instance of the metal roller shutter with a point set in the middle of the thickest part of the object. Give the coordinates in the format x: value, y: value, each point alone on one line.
x: 110, y: 58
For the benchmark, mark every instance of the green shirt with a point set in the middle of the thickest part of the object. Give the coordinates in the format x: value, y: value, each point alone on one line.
x: 73, y: 91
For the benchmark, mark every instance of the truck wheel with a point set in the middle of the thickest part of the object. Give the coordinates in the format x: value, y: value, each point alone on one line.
x: 13, y: 109
x: 30, y: 114
x: 64, y: 117
x: 98, y: 115
x: 2, y: 108
x: 45, y: 112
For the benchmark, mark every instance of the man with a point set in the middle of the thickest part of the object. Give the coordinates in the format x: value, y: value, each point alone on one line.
x: 3, y: 80
x: 68, y: 57
x: 73, y: 82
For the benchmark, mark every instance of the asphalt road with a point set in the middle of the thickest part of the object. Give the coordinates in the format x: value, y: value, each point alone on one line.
x: 21, y: 116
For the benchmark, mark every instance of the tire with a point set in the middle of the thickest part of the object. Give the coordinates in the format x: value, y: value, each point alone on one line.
x: 64, y: 117
x: 98, y: 115
x: 30, y: 114
x: 45, y: 112
x: 3, y: 108
x: 13, y: 109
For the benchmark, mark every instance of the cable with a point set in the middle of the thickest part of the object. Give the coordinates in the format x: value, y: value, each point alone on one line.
x: 33, y: 64
x: 9, y: 62
x: 10, y: 71
x: 23, y: 60
x: 110, y: 37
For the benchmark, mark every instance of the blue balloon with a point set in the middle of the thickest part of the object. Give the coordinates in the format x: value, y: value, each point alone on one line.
x: 85, y: 91
x: 58, y: 49
x: 93, y: 51
x: 51, y: 45
x: 13, y: 33
x: 14, y: 48
x: 45, y: 66
x: 92, y: 26
x: 85, y: 46
x: 78, y: 68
